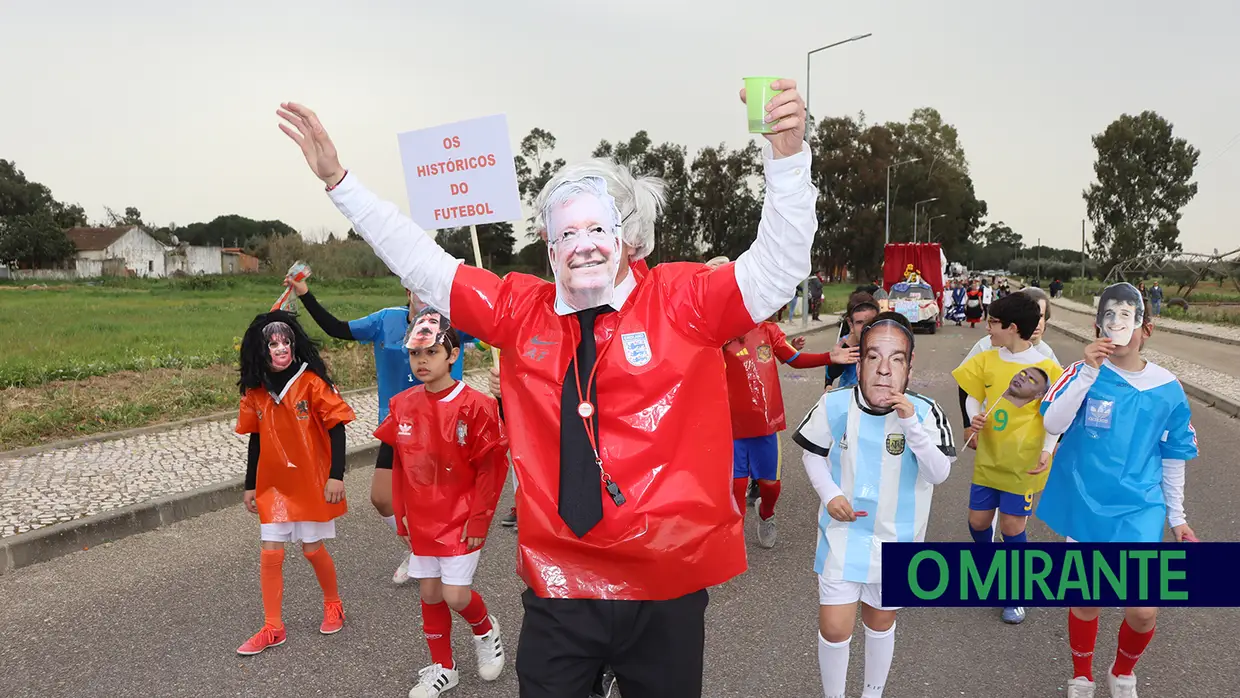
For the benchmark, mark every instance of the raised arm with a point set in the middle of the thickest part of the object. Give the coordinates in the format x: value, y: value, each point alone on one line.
x: 1064, y: 400
x: 406, y: 249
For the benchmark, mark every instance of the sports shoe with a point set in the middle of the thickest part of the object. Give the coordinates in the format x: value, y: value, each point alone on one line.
x: 1080, y: 687
x: 402, y: 572
x: 509, y: 521
x: 333, y: 618
x: 433, y: 680
x: 267, y: 637
x: 767, y: 533
x: 490, y: 649
x: 1121, y: 686
x: 1014, y: 615
x: 603, y: 687
x: 751, y: 495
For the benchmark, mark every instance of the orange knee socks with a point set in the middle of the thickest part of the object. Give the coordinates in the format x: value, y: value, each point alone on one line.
x: 271, y: 577
x: 325, y: 570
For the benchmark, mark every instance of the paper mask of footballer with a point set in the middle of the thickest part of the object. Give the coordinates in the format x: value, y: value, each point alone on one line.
x: 1121, y: 310
x: 583, y: 242
x: 428, y: 327
x: 280, y: 345
x: 274, y: 342
x: 886, y: 360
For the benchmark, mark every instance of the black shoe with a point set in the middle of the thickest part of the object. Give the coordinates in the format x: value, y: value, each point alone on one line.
x: 510, y: 521
x: 604, y: 684
x: 752, y: 495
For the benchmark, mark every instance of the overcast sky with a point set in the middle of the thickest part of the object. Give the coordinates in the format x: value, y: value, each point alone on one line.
x: 155, y: 104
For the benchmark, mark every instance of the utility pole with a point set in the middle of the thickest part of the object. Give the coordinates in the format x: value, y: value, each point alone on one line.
x: 1082, y: 249
x: 1039, y: 275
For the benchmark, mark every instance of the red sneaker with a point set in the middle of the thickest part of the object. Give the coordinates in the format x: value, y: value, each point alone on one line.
x: 267, y: 637
x: 333, y: 617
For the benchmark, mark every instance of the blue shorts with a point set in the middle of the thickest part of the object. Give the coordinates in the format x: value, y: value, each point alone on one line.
x: 756, y: 457
x: 982, y: 498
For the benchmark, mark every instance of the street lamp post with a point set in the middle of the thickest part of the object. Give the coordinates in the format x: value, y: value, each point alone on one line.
x: 808, y: 119
x: 887, y: 233
x: 930, y: 226
x: 919, y: 203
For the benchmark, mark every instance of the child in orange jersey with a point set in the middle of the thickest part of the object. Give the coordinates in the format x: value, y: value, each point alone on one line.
x: 449, y: 461
x: 294, y: 477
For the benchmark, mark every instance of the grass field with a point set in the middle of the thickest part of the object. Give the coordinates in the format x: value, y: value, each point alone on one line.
x: 81, y: 359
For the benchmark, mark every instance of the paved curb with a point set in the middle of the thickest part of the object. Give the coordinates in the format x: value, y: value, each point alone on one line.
x: 1218, y: 402
x: 137, y: 431
x: 49, y: 542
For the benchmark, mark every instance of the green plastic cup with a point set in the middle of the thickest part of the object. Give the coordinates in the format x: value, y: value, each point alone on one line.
x: 758, y: 94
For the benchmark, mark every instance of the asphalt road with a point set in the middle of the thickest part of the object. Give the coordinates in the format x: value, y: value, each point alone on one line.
x: 1221, y: 357
x: 161, y: 613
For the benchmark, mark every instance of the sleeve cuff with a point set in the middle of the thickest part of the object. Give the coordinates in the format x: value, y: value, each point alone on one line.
x: 785, y: 175
x: 344, y: 191
x: 909, y: 422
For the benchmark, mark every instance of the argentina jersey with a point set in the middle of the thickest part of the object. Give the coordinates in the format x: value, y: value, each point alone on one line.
x: 877, y: 472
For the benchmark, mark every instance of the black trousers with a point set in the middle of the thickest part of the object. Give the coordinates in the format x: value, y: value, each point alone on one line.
x: 654, y: 647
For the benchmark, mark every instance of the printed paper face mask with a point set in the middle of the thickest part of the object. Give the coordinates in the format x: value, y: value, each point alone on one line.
x: 1121, y: 311
x: 279, y: 337
x: 426, y: 329
x: 1026, y: 386
x: 584, y: 242
x: 886, y: 359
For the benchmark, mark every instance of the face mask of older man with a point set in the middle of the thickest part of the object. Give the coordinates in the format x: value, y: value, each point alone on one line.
x: 583, y: 242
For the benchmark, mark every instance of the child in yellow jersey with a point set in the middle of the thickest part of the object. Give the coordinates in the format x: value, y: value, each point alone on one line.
x: 1005, y: 386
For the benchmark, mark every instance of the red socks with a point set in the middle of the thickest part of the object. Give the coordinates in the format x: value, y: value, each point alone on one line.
x: 325, y: 570
x: 1131, y: 645
x: 476, y: 615
x: 1082, y: 636
x: 271, y: 578
x: 739, y: 486
x: 437, y: 626
x: 768, y: 491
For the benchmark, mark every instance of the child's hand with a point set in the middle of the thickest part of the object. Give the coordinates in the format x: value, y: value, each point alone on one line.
x: 493, y: 380
x: 970, y: 439
x: 797, y: 343
x: 474, y: 543
x: 334, y: 491
x: 1044, y: 462
x: 299, y: 287
x: 251, y: 501
x: 845, y: 355
x: 900, y: 403
x: 1184, y: 534
x: 1098, y: 350
x: 841, y: 510
x: 978, y: 422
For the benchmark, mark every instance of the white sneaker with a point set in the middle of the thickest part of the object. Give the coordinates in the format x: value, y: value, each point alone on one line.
x: 1080, y: 687
x: 490, y: 650
x: 433, y: 680
x: 1122, y: 686
x: 402, y: 572
x: 767, y: 533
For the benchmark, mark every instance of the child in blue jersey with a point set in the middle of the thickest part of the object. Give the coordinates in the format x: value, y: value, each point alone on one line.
x: 862, y: 308
x: 874, y: 453
x: 385, y: 330
x: 1119, y: 472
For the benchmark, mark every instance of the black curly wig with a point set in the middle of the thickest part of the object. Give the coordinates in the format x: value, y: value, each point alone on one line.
x: 255, y: 358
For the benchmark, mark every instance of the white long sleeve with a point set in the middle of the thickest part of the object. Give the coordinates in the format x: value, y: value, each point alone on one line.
x: 1063, y: 408
x: 1173, y: 490
x: 1050, y: 442
x: 973, y: 407
x: 769, y: 272
x: 819, y: 472
x: 932, y: 463
x: 406, y: 249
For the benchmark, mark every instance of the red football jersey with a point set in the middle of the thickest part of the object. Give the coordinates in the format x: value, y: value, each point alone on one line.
x: 449, y: 465
x: 664, y: 430
x: 754, y: 394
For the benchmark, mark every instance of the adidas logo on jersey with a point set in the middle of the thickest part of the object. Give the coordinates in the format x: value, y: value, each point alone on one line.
x: 404, y: 429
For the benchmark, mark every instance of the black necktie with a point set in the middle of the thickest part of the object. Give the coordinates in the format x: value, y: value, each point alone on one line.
x: 581, y: 495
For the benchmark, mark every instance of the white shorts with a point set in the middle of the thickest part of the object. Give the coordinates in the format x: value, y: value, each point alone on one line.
x: 457, y: 571
x: 833, y: 592
x: 294, y: 531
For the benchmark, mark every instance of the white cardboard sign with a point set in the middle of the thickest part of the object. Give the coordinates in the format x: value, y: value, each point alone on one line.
x: 460, y: 174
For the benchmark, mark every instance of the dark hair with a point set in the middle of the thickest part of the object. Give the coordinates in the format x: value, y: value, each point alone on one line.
x: 1045, y: 376
x: 254, y: 356
x: 888, y: 318
x: 859, y: 299
x: 1038, y: 295
x: 1018, y: 309
x: 451, y: 340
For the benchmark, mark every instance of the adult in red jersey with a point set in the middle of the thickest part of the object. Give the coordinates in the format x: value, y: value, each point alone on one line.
x: 618, y: 417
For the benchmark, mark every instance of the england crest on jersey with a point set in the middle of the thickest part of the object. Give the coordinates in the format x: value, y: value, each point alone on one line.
x: 636, y: 348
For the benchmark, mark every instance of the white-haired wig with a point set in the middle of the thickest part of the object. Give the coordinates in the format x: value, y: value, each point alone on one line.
x: 637, y: 199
